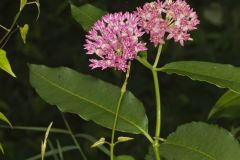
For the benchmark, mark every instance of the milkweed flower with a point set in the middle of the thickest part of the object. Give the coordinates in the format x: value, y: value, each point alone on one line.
x: 168, y: 20
x: 114, y: 39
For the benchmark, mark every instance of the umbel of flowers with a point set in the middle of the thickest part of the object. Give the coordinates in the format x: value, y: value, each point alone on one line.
x: 114, y: 39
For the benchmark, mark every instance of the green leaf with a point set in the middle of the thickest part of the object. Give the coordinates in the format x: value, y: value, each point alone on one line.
x: 86, y: 15
x: 90, y: 98
x: 44, y: 142
x: 23, y: 32
x: 125, y: 157
x: 1, y: 148
x: 4, y: 118
x: 4, y: 63
x: 22, y: 4
x: 221, y: 75
x: 200, y: 141
x: 228, y: 106
x: 143, y: 54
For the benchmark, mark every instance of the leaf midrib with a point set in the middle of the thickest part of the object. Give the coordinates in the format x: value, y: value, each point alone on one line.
x: 192, y: 149
x: 89, y: 101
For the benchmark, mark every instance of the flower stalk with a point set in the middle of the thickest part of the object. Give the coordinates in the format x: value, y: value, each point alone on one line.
x: 123, y: 90
x: 156, y: 144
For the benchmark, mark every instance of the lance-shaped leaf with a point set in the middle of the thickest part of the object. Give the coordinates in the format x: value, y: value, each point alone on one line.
x: 228, y: 106
x: 86, y: 15
x: 4, y: 118
x: 4, y: 63
x: 90, y: 98
x: 200, y: 141
x: 221, y: 75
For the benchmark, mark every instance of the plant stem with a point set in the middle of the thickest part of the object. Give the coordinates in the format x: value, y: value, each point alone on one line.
x: 4, y: 28
x: 10, y: 29
x: 144, y: 62
x: 123, y: 90
x: 8, y: 37
x: 74, y: 138
x: 158, y: 56
x: 156, y: 144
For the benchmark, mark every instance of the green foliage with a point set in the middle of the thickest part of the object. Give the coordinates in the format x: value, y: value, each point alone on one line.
x: 221, y: 75
x: 23, y: 32
x: 125, y: 157
x: 22, y: 4
x: 4, y: 118
x: 4, y: 63
x: 90, y: 98
x: 200, y: 141
x: 143, y: 55
x: 228, y: 106
x: 86, y: 15
x: 1, y: 148
x: 100, y: 142
x: 44, y: 142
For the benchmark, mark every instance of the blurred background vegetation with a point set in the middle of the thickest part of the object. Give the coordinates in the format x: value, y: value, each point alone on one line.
x: 57, y: 40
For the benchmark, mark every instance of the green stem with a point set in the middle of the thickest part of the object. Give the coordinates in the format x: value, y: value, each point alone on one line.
x: 8, y: 37
x: 10, y: 29
x: 158, y: 56
x: 144, y: 62
x: 4, y: 28
x: 123, y: 90
x: 74, y: 138
x: 156, y: 144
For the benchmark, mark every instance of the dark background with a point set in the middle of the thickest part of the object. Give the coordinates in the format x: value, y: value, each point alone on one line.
x: 57, y: 40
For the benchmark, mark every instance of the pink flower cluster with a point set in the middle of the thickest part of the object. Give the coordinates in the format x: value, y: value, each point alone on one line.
x: 115, y: 40
x: 173, y: 19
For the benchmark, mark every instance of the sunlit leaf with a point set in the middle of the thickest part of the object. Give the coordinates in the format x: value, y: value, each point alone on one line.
x: 23, y: 32
x: 4, y: 63
x: 4, y: 118
x: 200, y: 141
